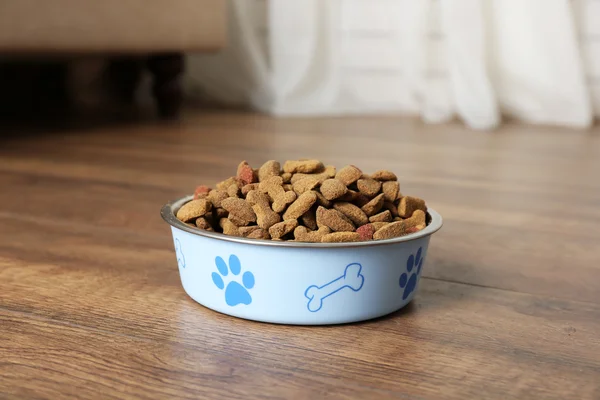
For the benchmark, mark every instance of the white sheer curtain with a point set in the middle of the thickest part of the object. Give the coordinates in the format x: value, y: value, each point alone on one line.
x: 473, y: 59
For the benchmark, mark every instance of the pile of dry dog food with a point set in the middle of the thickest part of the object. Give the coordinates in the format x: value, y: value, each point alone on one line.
x: 306, y: 201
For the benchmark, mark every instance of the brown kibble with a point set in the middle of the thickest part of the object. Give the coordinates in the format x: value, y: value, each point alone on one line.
x: 193, y: 209
x: 384, y: 175
x: 287, y: 177
x: 303, y: 234
x: 378, y: 225
x: 217, y: 196
x: 282, y: 228
x: 265, y: 216
x: 390, y: 190
x: 239, y: 210
x: 309, y: 218
x: 391, y: 207
x: 247, y: 188
x: 350, y: 196
x: 349, y: 174
x: 360, y: 199
x: 366, y: 232
x: 391, y: 230
x: 409, y: 204
x: 340, y: 237
x: 332, y: 189
x: 334, y: 220
x: 245, y: 173
x: 303, y: 166
x: 273, y: 186
x: 416, y: 222
x: 354, y: 213
x: 287, y: 187
x: 385, y: 216
x: 201, y: 192
x: 283, y: 200
x: 330, y: 171
x: 322, y: 201
x: 255, y: 197
x: 229, y: 228
x: 268, y: 169
x: 219, y: 213
x: 369, y: 187
x: 223, y: 185
x: 254, y: 232
x: 202, y: 223
x: 233, y: 191
x: 301, y: 205
x: 373, y: 206
x: 305, y: 184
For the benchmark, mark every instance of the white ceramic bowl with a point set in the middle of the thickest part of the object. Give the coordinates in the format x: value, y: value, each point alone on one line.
x: 295, y: 282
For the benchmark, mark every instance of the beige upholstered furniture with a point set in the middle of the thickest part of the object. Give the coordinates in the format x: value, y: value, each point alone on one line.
x: 161, y: 30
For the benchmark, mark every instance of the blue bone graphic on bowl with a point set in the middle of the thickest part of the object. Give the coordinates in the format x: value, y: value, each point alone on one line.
x: 351, y: 279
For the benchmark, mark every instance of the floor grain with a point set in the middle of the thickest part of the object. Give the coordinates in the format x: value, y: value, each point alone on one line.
x: 91, y: 304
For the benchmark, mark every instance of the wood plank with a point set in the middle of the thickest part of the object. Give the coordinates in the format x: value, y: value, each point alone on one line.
x: 454, y: 341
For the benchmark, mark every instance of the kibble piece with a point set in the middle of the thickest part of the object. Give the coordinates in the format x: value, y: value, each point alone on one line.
x: 228, y: 227
x: 233, y: 191
x: 282, y: 228
x: 360, y: 199
x: 391, y: 230
x: 273, y: 186
x: 239, y: 210
x: 330, y: 171
x: 340, y: 237
x: 332, y: 189
x: 223, y: 185
x: 193, y: 209
x: 322, y: 201
x: 390, y: 190
x: 334, y: 220
x: 254, y: 232
x: 373, y: 206
x: 220, y: 213
x: 354, y: 213
x: 409, y: 204
x: 217, y: 196
x: 202, y: 223
x: 391, y: 207
x: 201, y: 192
x: 378, y: 225
x: 287, y: 187
x: 268, y: 169
x: 265, y: 216
x: 384, y: 175
x: 349, y: 174
x: 302, y: 204
x: 287, y: 177
x: 283, y: 200
x: 309, y: 218
x: 416, y: 222
x: 369, y: 187
x: 305, y: 184
x: 366, y: 232
x: 303, y: 234
x: 385, y: 216
x: 256, y: 197
x: 245, y: 173
x: 349, y: 196
x: 247, y: 188
x: 303, y: 166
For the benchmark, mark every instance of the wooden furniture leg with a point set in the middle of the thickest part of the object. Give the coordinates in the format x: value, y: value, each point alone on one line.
x: 166, y: 70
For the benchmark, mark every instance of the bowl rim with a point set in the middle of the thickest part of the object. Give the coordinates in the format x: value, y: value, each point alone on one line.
x: 169, y: 210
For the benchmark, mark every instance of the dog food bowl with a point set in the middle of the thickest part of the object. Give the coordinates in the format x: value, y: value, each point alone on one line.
x: 295, y: 282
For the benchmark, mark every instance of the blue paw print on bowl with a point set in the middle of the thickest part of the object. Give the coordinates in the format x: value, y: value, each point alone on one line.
x: 179, y: 254
x: 413, y: 268
x: 235, y: 292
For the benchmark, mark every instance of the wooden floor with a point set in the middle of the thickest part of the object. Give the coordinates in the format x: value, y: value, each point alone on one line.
x: 91, y: 305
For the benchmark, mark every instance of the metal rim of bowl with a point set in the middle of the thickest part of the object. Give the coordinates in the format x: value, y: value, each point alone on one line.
x: 169, y: 210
